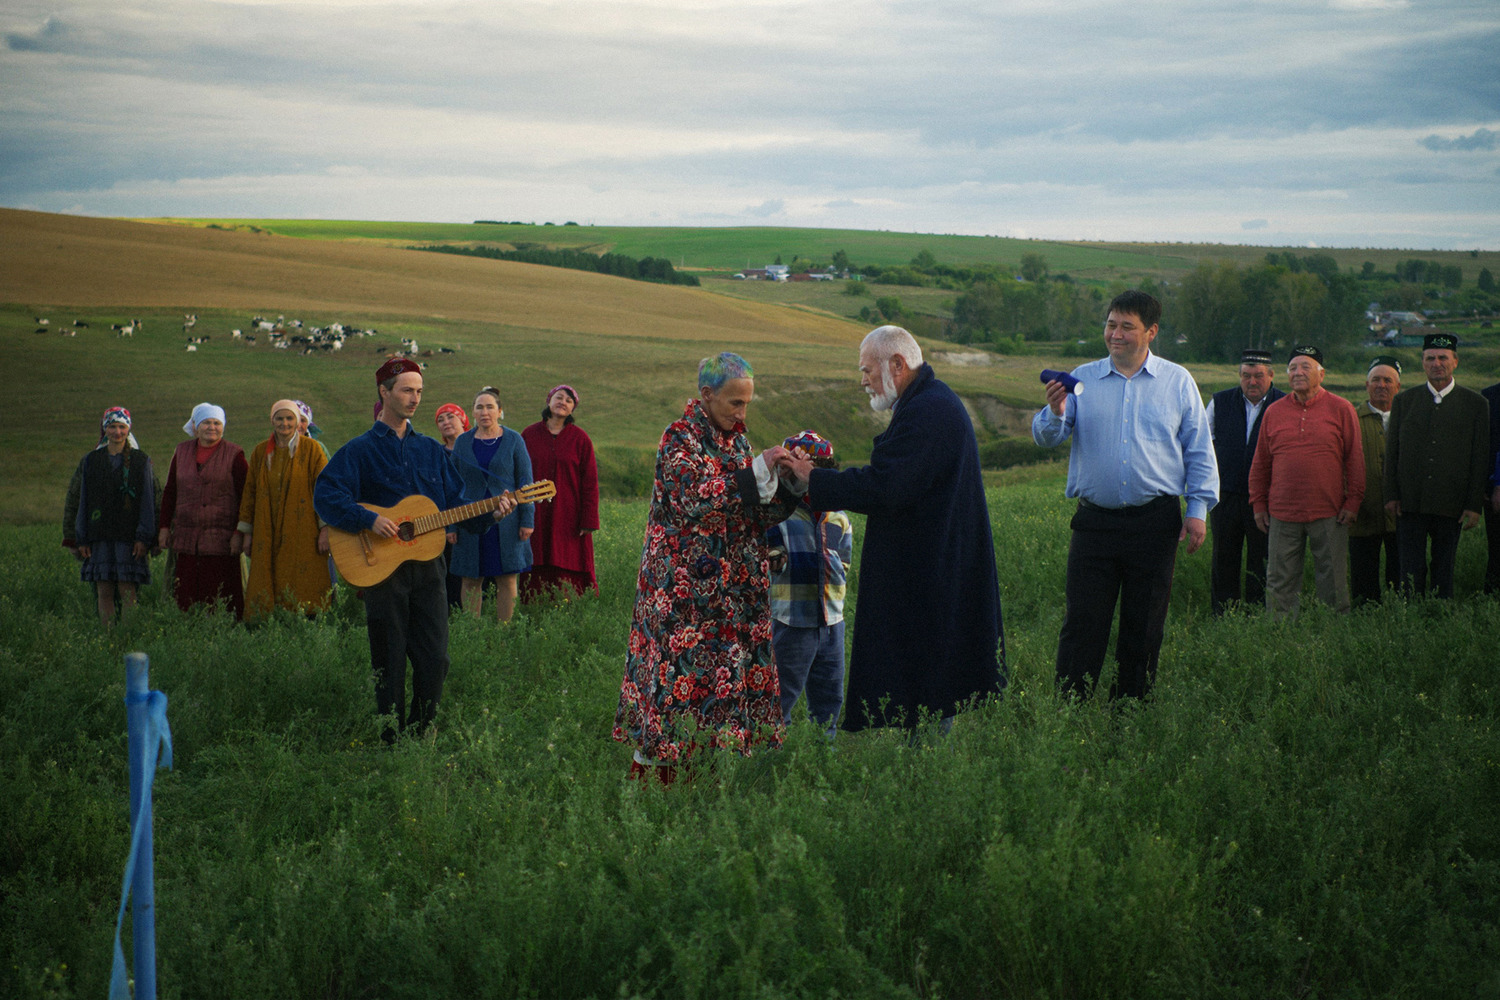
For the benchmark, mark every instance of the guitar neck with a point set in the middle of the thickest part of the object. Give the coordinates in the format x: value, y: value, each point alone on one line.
x: 443, y: 518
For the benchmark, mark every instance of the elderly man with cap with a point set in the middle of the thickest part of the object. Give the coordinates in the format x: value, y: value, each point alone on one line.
x: 406, y: 614
x: 1374, y: 529
x: 928, y: 636
x: 1306, y: 483
x: 1234, y: 420
x: 1437, y: 468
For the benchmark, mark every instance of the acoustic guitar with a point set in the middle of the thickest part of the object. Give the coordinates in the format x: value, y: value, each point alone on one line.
x: 365, y: 558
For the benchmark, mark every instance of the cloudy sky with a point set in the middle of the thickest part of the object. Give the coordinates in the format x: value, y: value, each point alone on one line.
x: 1306, y: 122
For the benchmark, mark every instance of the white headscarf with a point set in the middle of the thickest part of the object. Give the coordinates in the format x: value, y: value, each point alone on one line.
x: 202, y: 412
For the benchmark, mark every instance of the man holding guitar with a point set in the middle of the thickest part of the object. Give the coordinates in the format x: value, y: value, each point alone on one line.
x: 393, y: 467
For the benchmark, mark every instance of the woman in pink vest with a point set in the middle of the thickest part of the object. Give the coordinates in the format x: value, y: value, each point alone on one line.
x: 200, y: 509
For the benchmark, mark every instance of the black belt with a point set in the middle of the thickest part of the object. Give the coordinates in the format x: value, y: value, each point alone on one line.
x: 1140, y: 508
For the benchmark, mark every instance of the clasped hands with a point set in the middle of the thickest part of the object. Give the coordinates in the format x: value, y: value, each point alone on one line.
x: 791, y: 464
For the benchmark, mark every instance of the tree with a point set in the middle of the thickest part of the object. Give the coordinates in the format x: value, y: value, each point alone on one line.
x: 840, y: 261
x: 1486, y: 280
x: 889, y: 306
x: 1296, y: 309
x: 924, y: 261
x: 1209, y: 311
x: 1033, y: 267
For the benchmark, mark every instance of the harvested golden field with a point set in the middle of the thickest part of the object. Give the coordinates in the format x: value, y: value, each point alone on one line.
x: 57, y: 260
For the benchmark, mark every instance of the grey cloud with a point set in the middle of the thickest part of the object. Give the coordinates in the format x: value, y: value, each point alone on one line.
x: 52, y: 36
x: 1481, y: 139
x: 767, y: 208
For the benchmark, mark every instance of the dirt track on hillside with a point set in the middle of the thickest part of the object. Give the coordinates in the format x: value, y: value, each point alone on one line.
x: 60, y: 260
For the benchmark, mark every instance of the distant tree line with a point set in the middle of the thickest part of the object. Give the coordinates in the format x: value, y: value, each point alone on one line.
x: 656, y: 269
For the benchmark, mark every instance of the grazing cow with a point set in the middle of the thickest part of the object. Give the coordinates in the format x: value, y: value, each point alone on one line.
x: 80, y: 324
x: 236, y: 334
x: 42, y: 320
x: 192, y: 347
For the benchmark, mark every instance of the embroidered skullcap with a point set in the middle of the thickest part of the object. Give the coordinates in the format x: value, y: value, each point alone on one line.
x: 813, y: 444
x: 285, y: 404
x: 452, y: 408
x: 1306, y: 352
x: 1383, y: 359
x: 394, y: 367
x: 202, y: 412
x: 1255, y: 357
x: 565, y: 388
x: 1440, y: 342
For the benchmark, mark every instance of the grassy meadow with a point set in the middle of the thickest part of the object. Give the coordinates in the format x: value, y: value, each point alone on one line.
x: 1302, y: 810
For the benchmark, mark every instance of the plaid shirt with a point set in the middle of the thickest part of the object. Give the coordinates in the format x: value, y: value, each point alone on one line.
x: 809, y: 590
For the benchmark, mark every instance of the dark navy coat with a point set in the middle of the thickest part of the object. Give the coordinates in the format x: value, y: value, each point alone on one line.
x: 927, y: 626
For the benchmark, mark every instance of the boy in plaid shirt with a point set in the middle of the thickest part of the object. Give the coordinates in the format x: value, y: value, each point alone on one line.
x: 810, y: 555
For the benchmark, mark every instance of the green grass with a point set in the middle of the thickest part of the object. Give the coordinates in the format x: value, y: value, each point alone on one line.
x: 731, y: 248
x: 1303, y: 810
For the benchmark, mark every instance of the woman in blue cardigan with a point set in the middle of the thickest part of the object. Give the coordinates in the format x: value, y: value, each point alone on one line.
x: 493, y: 459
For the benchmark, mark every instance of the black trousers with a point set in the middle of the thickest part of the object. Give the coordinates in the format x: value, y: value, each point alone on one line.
x: 1365, y: 582
x: 1125, y: 556
x: 407, y: 618
x: 1492, y: 539
x: 1412, y: 534
x: 1233, y: 524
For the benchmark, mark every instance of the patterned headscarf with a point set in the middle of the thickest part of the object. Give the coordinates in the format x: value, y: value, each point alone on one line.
x: 115, y: 415
x: 452, y: 408
x: 305, y: 412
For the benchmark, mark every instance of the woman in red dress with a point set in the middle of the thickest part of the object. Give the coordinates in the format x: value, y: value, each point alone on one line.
x: 200, y: 510
x: 562, y: 546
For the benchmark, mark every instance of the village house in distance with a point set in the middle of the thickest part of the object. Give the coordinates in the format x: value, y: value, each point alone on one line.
x: 782, y: 272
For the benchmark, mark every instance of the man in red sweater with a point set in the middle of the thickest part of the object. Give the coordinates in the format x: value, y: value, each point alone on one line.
x: 1306, y: 483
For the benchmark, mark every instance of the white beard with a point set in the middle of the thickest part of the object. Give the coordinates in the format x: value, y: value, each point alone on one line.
x: 886, y: 398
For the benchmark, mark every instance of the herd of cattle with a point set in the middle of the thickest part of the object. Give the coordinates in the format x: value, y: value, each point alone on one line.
x: 281, y: 333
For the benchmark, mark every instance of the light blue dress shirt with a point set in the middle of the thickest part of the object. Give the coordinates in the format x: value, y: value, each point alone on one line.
x: 1135, y: 439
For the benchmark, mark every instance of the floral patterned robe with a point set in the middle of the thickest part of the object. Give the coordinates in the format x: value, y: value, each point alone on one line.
x: 699, y: 669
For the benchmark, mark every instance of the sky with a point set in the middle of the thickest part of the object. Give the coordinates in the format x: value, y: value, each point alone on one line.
x: 1371, y: 123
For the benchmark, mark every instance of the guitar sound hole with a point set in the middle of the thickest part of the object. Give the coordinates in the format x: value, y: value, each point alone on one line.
x: 405, y: 532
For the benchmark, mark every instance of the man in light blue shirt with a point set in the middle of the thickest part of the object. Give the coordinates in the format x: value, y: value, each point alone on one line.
x: 1141, y: 441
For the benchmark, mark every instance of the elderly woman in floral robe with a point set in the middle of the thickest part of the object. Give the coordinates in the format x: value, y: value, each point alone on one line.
x: 699, y: 669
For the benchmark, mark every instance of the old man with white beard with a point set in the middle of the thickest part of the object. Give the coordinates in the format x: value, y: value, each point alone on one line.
x: 927, y: 630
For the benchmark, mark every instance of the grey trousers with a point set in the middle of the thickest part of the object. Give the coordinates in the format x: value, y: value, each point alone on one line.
x: 1286, y: 553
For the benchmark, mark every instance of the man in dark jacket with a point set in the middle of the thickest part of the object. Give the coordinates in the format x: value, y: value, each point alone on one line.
x: 927, y: 630
x: 1234, y: 420
x: 1492, y: 509
x: 1437, y: 468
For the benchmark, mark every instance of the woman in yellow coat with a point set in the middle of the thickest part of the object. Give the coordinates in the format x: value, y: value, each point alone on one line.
x: 286, y: 543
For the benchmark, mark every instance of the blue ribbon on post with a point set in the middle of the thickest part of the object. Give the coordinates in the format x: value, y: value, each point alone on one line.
x: 150, y: 747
